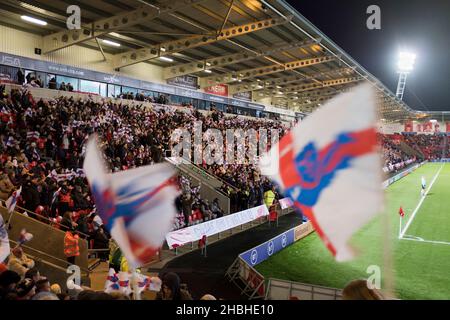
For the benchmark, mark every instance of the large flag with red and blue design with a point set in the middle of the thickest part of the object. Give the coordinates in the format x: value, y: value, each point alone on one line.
x: 329, y: 165
x: 136, y: 206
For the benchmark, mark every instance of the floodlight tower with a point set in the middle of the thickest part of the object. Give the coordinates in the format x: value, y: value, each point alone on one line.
x: 405, y: 65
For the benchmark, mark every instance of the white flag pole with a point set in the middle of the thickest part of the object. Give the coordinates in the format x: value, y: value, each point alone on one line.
x: 400, y: 228
x: 134, y: 285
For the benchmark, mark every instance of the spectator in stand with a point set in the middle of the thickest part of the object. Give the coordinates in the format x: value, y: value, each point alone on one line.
x: 8, y: 282
x: 52, y: 83
x: 33, y: 274
x: 71, y: 246
x: 215, y: 208
x: 171, y: 289
x: 6, y: 186
x: 19, y: 262
x: 43, y: 291
x: 20, y: 76
x: 69, y: 87
x: 25, y: 289
x: 63, y: 87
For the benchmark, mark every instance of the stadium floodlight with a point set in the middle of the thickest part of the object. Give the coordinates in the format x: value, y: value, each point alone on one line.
x: 406, y: 61
x: 405, y: 65
x: 111, y: 43
x: 207, y: 71
x: 34, y: 20
x: 166, y: 59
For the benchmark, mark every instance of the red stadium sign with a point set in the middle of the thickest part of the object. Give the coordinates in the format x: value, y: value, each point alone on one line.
x: 220, y: 90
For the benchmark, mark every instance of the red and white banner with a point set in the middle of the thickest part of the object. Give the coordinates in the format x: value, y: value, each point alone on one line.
x: 220, y: 90
x: 194, y: 233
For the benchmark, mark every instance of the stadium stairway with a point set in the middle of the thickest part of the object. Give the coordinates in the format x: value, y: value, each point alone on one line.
x: 410, y: 150
x: 209, y: 183
x: 207, y: 274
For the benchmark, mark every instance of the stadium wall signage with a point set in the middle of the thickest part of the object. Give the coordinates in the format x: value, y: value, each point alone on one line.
x: 187, y: 90
x: 184, y: 81
x: 247, y: 95
x: 265, y: 250
x: 402, y: 174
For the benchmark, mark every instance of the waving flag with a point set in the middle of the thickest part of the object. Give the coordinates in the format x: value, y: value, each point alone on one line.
x: 112, y: 281
x: 4, y: 241
x: 24, y: 237
x: 329, y: 166
x: 401, y: 212
x: 12, y: 201
x: 136, y: 206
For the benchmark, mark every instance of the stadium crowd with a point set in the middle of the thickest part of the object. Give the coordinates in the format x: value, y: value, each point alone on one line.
x: 42, y: 146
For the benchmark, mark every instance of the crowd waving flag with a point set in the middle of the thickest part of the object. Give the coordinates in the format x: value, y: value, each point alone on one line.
x: 136, y: 206
x: 329, y: 165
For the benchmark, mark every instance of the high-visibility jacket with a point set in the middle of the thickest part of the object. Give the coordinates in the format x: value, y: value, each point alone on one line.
x: 269, y: 197
x: 71, y: 248
x: 118, y: 261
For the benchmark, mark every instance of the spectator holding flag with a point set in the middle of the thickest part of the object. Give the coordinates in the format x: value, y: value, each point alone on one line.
x: 19, y: 262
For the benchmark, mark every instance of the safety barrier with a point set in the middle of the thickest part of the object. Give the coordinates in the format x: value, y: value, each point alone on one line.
x: 402, y: 174
x: 47, y: 243
x: 288, y: 290
x: 242, y: 272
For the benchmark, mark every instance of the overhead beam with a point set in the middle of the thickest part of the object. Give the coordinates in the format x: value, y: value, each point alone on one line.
x: 66, y: 38
x: 217, y: 62
x: 323, y: 84
x: 261, y: 71
x: 268, y: 84
x: 170, y: 47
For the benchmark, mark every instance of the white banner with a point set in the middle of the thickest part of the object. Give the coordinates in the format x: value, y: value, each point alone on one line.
x: 286, y: 203
x: 194, y: 233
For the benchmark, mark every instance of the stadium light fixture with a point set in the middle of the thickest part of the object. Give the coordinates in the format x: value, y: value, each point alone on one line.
x: 34, y: 20
x: 166, y: 59
x: 207, y: 71
x: 111, y: 43
x: 405, y: 65
x: 406, y: 61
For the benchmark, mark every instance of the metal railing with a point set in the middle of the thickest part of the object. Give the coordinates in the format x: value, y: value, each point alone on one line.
x: 39, y: 218
x: 41, y: 253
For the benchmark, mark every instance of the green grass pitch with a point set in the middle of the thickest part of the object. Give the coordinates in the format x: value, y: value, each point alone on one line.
x: 421, y: 259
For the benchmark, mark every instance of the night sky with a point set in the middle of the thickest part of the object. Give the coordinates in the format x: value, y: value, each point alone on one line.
x: 420, y: 26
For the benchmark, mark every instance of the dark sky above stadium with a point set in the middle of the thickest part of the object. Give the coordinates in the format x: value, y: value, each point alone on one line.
x: 420, y: 26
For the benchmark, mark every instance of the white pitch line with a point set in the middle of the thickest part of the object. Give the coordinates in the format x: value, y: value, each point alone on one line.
x: 420, y: 204
x: 413, y: 237
x: 428, y: 241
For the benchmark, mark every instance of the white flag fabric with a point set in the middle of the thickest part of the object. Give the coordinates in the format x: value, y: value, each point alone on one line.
x: 136, y: 206
x: 4, y: 241
x: 112, y: 282
x: 12, y: 200
x: 330, y: 166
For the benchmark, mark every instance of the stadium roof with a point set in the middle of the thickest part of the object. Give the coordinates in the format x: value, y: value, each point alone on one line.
x: 263, y: 46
